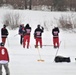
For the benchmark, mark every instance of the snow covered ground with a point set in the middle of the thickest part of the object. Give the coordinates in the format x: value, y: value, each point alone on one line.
x: 25, y: 61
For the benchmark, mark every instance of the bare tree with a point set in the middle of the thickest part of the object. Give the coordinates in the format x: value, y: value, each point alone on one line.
x: 25, y: 4
x: 1, y: 2
x: 30, y: 4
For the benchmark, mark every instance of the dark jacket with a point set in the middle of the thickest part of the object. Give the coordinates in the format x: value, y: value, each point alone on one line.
x: 55, y: 32
x: 38, y: 32
x: 21, y: 30
x: 4, y: 33
x: 27, y: 30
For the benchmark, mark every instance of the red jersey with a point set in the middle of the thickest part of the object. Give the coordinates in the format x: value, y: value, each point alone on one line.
x: 4, y: 54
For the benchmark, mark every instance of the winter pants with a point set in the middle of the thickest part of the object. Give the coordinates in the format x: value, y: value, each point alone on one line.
x: 6, y: 69
x: 4, y: 40
x: 26, y: 38
x: 39, y: 40
x: 56, y: 41
x: 21, y: 39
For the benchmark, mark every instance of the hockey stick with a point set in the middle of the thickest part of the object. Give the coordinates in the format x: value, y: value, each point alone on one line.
x: 15, y: 35
x: 57, y: 51
x: 40, y: 60
x: 45, y: 45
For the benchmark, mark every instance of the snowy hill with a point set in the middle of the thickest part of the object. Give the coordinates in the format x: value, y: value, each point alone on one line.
x: 25, y: 61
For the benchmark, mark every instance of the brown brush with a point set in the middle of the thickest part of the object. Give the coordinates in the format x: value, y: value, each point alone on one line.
x: 40, y: 60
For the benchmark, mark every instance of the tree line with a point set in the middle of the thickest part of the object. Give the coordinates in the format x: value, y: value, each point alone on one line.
x: 52, y: 5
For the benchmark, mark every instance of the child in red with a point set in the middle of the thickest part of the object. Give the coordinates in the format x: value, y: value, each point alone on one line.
x: 26, y: 36
x: 55, y: 33
x: 38, y: 36
x: 4, y: 34
x: 4, y: 59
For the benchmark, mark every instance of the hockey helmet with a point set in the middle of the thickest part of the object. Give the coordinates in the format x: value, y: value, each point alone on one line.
x: 1, y: 44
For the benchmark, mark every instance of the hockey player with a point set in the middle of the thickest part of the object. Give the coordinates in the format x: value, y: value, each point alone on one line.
x: 55, y: 33
x: 38, y: 35
x: 21, y: 30
x: 26, y: 35
x: 4, y: 34
x: 4, y: 59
